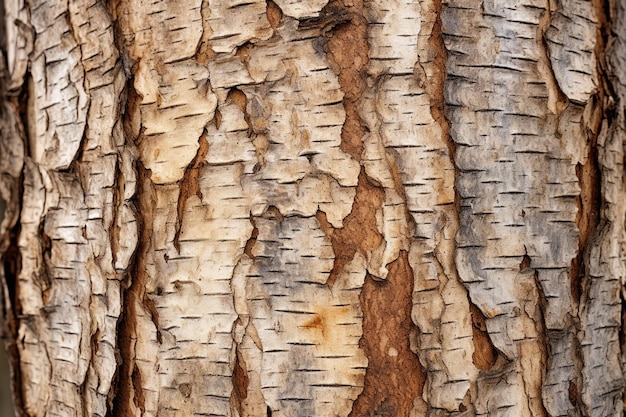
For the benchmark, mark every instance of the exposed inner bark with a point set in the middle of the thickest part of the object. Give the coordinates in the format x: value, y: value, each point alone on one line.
x: 347, y: 51
x: 387, y: 327
x: 274, y: 14
x: 359, y: 232
x: 240, y: 381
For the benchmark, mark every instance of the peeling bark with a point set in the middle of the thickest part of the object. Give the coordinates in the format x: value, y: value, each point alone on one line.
x: 331, y: 207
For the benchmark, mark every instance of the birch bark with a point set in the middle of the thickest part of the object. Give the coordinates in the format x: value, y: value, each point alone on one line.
x: 320, y: 208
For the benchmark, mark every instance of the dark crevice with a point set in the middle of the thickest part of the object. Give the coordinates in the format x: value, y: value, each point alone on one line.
x: 239, y: 98
x: 22, y: 105
x: 543, y: 334
x: 485, y: 353
x: 189, y: 185
x: 127, y: 378
x: 10, y: 308
x: 122, y: 395
x: 359, y: 232
x: 252, y: 240
x: 240, y: 381
x: 332, y: 15
x: 118, y: 198
x: 12, y: 264
x: 138, y: 398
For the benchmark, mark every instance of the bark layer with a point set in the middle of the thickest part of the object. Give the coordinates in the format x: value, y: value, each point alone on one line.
x: 333, y: 208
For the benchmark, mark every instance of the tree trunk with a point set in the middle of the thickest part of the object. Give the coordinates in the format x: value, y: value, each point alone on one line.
x: 314, y: 208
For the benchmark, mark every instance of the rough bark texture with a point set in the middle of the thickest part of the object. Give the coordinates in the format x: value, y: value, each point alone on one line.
x: 314, y: 208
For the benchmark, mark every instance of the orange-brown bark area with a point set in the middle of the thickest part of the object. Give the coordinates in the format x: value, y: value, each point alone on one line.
x: 394, y: 377
x: 589, y: 177
x: 240, y: 382
x: 359, y: 232
x: 347, y: 51
x: 485, y: 354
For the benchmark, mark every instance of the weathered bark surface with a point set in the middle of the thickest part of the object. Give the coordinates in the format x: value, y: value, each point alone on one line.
x: 314, y: 208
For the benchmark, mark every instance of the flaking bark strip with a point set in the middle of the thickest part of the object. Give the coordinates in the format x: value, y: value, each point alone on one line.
x: 274, y: 14
x: 204, y: 54
x: 440, y: 303
x: 347, y: 49
x: 538, y: 403
x: 348, y: 52
x: 557, y: 100
x: 498, y: 177
x: 589, y: 173
x: 601, y: 390
x: 252, y: 240
x: 434, y: 83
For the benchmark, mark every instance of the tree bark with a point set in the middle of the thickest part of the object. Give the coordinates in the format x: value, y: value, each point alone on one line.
x: 316, y: 208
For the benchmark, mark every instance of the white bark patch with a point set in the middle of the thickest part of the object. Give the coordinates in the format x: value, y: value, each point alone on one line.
x: 518, y: 190
x: 301, y: 9
x: 311, y: 361
x: 173, y: 115
x: 251, y: 24
x: 59, y: 102
x: 571, y: 39
x: 176, y: 98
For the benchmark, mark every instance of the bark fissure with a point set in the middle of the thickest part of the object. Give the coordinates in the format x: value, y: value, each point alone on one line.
x: 485, y: 354
x: 240, y: 381
x: 11, y: 264
x: 557, y: 100
x: 346, y: 46
x: 129, y: 392
x: 189, y: 185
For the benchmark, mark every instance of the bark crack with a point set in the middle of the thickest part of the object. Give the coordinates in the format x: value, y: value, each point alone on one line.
x: 189, y: 185
x: 128, y: 378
